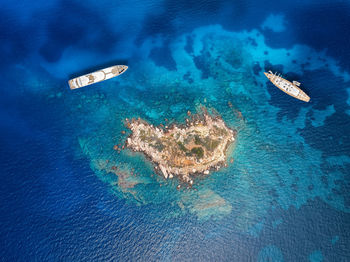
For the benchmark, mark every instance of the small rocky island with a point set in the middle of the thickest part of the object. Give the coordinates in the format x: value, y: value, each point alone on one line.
x: 183, y: 150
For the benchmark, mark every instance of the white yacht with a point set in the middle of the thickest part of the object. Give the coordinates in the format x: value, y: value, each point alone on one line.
x: 291, y: 89
x: 97, y: 76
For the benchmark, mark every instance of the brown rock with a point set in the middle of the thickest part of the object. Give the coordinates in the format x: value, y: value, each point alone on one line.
x: 176, y: 155
x: 239, y: 114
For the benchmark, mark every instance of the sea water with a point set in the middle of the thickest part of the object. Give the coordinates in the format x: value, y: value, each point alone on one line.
x: 286, y: 195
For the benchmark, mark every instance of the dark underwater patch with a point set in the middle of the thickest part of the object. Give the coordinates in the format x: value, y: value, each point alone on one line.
x: 162, y: 56
x: 189, y: 44
x: 257, y: 69
x: 188, y: 77
x: 201, y: 63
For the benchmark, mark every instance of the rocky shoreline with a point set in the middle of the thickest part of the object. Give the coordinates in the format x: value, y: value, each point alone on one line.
x: 197, y: 147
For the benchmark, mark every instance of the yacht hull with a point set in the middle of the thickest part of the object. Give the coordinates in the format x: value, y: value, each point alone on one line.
x: 97, y: 76
x: 287, y: 87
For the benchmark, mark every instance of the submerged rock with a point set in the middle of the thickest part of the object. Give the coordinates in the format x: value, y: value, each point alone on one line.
x: 206, y: 203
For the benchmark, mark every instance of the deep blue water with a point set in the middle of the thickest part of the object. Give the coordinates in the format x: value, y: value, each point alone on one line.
x: 286, y: 197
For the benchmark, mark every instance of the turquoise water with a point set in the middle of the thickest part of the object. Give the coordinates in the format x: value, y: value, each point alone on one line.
x: 272, y: 160
x: 284, y: 198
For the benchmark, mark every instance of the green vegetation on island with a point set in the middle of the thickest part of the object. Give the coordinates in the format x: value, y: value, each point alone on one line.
x: 180, y: 150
